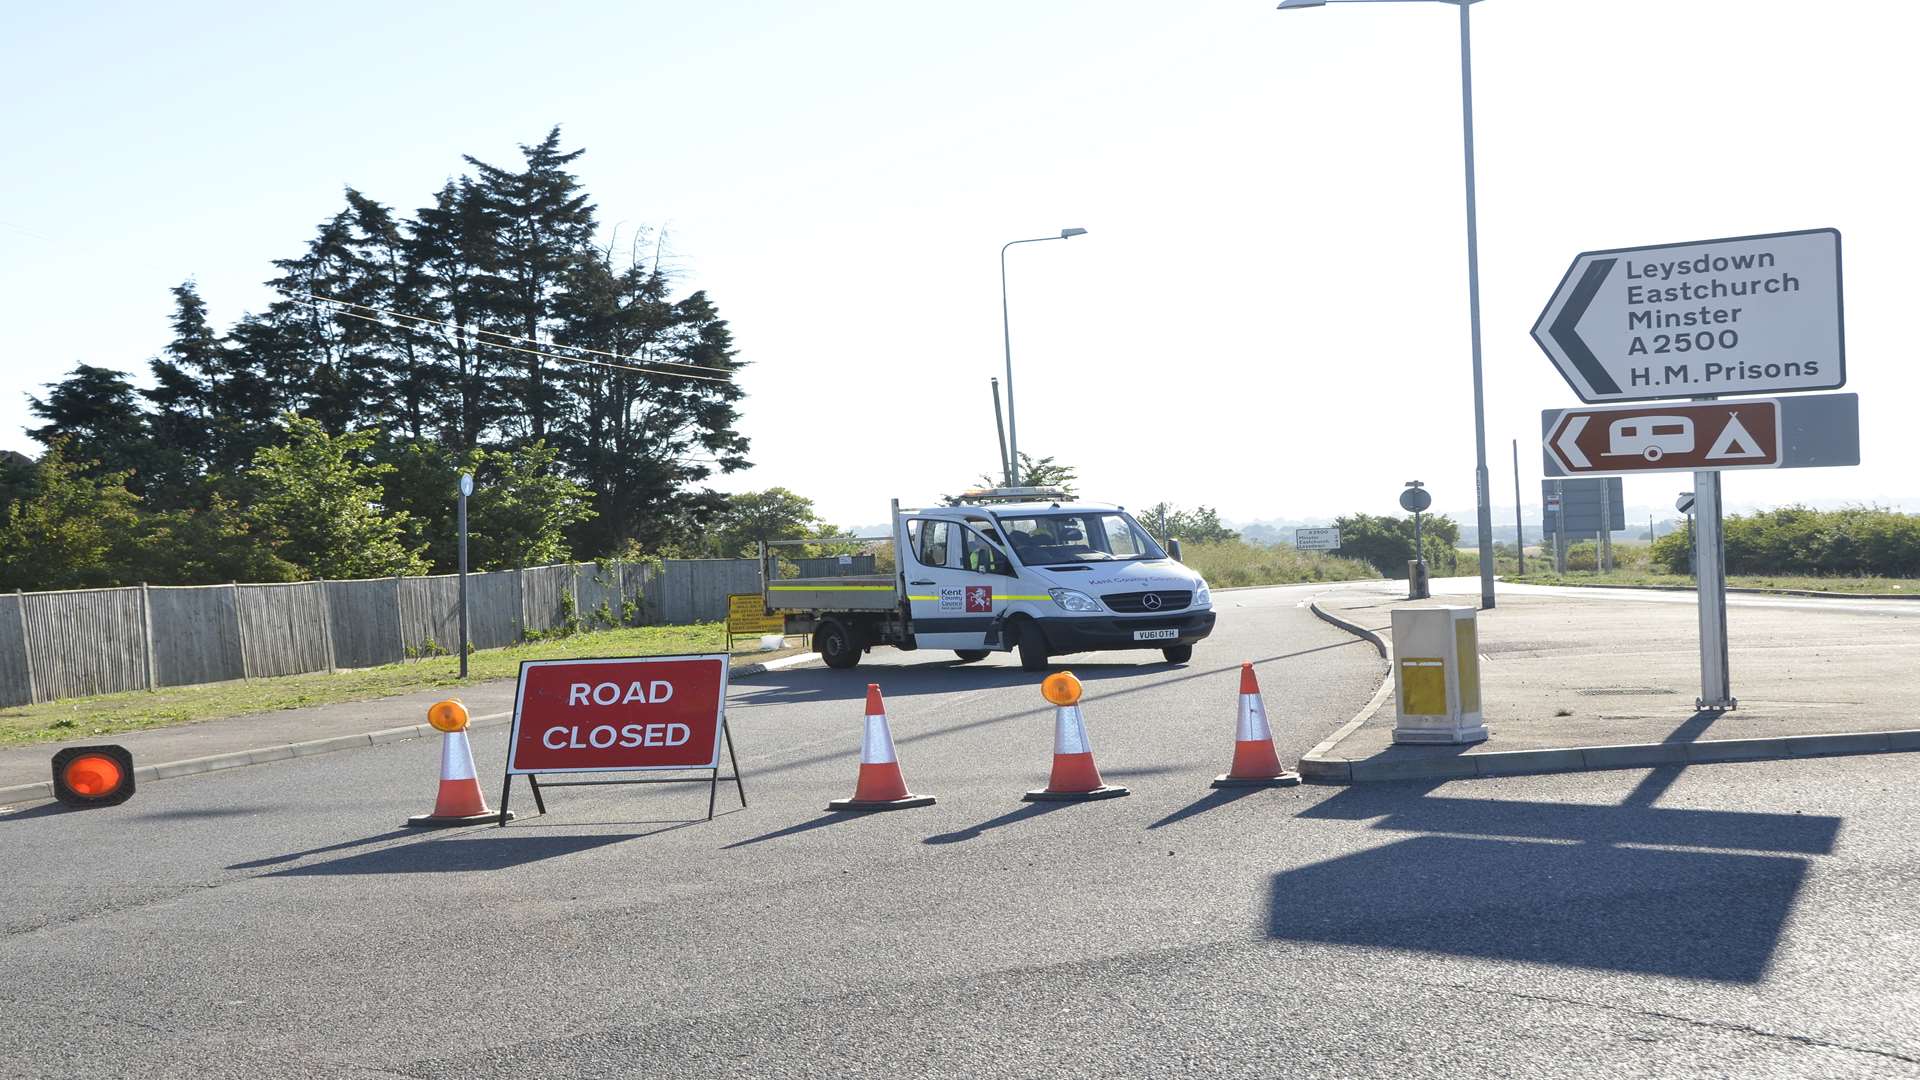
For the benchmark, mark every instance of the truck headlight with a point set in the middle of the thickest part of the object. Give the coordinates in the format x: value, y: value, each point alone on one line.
x: 1202, y: 596
x: 1074, y: 600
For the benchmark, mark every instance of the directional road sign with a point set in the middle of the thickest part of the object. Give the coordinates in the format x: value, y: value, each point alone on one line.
x: 1316, y: 539
x: 1751, y: 433
x: 1577, y: 507
x: 1743, y: 315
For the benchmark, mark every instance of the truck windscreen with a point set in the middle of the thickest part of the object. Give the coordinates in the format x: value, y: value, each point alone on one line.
x: 1069, y: 538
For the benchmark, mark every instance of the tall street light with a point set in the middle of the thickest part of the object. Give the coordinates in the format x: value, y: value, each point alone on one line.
x: 1013, y: 432
x: 1473, y: 282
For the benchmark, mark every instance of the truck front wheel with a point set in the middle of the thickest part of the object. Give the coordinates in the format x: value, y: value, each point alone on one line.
x: 1033, y: 646
x: 835, y: 645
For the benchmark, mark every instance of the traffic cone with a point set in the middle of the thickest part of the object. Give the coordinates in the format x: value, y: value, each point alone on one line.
x: 880, y: 787
x: 1255, y: 762
x: 1075, y: 777
x: 460, y: 801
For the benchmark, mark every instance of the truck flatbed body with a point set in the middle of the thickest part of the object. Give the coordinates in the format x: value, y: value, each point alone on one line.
x: 869, y: 592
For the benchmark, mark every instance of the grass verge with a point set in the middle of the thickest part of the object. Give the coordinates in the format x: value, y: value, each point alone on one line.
x: 1235, y: 563
x: 113, y: 714
x: 1738, y: 581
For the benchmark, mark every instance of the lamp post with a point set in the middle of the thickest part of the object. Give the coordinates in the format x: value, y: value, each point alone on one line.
x: 1006, y: 334
x: 1480, y: 488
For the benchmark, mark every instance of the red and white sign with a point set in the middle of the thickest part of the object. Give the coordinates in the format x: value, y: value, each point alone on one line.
x: 980, y: 598
x: 625, y: 715
x: 1666, y: 437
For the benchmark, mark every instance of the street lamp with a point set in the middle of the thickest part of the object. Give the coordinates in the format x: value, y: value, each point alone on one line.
x: 1473, y: 282
x: 1013, y: 432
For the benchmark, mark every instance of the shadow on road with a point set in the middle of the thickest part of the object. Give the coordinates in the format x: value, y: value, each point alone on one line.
x: 187, y: 813
x: 808, y: 825
x: 1210, y: 801
x: 1026, y: 812
x: 1554, y: 883
x: 43, y: 810
x: 488, y: 852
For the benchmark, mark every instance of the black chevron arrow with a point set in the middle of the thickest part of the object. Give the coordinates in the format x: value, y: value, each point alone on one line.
x: 1562, y: 330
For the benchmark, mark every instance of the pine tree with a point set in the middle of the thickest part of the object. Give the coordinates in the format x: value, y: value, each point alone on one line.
x: 95, y: 413
x: 451, y: 246
x: 543, y: 224
x: 337, y: 361
x: 385, y: 279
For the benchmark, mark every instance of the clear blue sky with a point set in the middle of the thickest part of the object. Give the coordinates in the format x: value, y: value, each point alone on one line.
x: 1268, y: 313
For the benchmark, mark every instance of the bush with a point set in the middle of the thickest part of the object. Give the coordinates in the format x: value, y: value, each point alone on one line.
x: 1859, y: 541
x: 1387, y: 542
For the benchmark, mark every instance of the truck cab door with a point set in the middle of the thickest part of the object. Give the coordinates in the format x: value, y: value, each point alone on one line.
x: 953, y: 577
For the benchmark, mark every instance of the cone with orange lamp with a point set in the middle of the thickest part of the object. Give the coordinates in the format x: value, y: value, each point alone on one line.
x: 460, y: 801
x: 881, y: 785
x: 1255, y: 761
x: 1075, y: 777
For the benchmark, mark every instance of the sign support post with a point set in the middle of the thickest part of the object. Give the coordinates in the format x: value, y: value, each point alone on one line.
x: 1560, y: 530
x: 1519, y: 519
x: 1716, y: 691
x: 466, y: 489
x: 1603, y: 551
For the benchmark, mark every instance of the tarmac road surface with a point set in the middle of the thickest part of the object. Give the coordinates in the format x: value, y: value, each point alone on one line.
x: 1745, y: 920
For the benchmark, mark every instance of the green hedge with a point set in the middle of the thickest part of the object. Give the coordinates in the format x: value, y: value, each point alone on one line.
x: 1855, y: 542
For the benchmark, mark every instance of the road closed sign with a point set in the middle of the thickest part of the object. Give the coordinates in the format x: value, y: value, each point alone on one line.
x: 618, y: 715
x: 1743, y: 315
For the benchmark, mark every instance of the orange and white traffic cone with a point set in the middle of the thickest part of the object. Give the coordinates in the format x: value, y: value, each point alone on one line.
x: 460, y: 801
x: 880, y: 787
x: 1075, y: 777
x: 1255, y: 762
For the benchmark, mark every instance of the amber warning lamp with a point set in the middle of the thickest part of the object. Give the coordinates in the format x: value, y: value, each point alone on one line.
x: 93, y: 775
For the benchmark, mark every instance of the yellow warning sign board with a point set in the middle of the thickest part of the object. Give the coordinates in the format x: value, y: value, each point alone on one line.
x: 746, y: 614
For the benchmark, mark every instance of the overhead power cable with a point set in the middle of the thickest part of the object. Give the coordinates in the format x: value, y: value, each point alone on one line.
x: 442, y: 323
x: 668, y: 372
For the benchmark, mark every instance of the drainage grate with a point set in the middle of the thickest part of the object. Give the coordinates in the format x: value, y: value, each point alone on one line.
x: 1623, y: 691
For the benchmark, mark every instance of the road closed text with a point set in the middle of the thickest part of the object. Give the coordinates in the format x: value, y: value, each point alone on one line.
x: 611, y: 693
x: 601, y: 736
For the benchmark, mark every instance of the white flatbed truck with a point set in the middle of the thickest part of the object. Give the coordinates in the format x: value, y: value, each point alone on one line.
x: 1023, y: 570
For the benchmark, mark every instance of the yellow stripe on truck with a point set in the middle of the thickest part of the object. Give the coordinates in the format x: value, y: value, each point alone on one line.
x: 996, y: 598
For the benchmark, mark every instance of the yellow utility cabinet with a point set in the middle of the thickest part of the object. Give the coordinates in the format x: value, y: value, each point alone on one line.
x: 1436, y: 675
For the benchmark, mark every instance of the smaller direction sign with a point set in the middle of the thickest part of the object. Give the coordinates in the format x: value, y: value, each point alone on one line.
x: 1684, y: 503
x: 1749, y: 433
x: 1640, y: 438
x: 1316, y: 539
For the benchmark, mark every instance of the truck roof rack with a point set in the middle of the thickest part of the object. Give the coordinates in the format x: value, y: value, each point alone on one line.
x: 1013, y: 494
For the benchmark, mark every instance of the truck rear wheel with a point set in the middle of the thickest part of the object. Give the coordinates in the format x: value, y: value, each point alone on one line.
x: 1177, y: 654
x: 1033, y: 646
x: 834, y: 643
x: 968, y: 656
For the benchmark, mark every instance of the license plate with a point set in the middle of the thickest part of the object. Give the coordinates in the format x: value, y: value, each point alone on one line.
x: 1155, y: 635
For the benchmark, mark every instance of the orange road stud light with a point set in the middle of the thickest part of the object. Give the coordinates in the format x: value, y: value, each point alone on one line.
x: 93, y: 775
